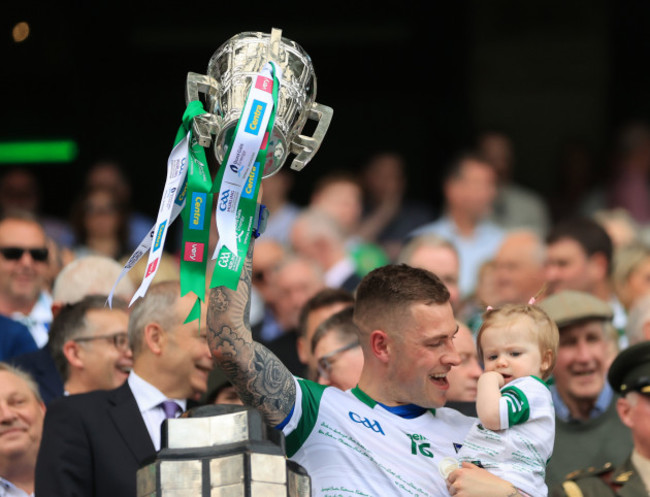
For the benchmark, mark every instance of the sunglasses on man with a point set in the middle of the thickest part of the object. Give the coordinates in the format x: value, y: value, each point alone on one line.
x: 15, y: 253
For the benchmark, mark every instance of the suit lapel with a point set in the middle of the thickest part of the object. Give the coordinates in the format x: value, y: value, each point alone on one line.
x: 129, y: 423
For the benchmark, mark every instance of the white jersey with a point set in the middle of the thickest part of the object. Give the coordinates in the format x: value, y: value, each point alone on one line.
x: 352, y: 446
x: 519, y: 451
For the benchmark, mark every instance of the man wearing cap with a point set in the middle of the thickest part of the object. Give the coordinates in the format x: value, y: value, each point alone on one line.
x: 587, y: 430
x: 629, y: 376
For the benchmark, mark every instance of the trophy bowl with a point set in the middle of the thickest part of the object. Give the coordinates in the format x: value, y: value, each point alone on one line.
x: 230, y: 74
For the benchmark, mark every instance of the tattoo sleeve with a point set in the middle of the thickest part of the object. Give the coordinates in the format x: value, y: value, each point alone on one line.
x: 259, y: 377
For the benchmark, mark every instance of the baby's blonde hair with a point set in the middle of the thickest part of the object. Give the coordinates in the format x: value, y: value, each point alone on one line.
x: 544, y: 330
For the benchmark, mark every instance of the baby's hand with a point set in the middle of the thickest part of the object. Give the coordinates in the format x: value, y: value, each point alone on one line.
x: 494, y: 376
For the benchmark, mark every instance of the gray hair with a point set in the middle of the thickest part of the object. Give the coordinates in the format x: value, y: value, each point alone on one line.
x: 157, y: 306
x: 92, y: 274
x: 424, y: 240
x: 26, y: 377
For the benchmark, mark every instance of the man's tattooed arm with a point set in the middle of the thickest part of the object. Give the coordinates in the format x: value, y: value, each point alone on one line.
x: 259, y: 377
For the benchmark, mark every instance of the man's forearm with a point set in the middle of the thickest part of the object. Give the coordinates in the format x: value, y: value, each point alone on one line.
x: 259, y: 377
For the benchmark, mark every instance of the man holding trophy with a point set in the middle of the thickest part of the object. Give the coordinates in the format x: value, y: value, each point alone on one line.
x: 387, y: 435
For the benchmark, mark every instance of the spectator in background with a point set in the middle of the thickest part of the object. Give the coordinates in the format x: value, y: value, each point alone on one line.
x: 519, y: 267
x: 282, y: 211
x: 15, y: 339
x: 388, y: 214
x: 19, y: 190
x: 318, y: 237
x: 266, y: 258
x: 294, y: 281
x: 620, y: 227
x: 587, y: 430
x: 469, y: 190
x: 90, y: 345
x: 101, y: 224
x: 109, y: 174
x: 463, y: 378
x: 638, y: 321
x: 338, y: 194
x: 631, y: 274
x: 437, y: 255
x: 94, y: 443
x: 23, y: 271
x: 514, y: 206
x: 579, y: 255
x: 317, y: 309
x: 90, y: 275
x: 336, y: 348
x: 21, y: 418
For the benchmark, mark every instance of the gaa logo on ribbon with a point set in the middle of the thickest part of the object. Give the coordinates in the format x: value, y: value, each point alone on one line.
x: 368, y: 423
x: 223, y: 201
x: 198, y: 211
x: 193, y: 252
x: 255, y: 117
x: 159, y: 235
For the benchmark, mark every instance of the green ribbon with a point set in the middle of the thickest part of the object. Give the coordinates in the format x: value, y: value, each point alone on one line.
x: 229, y: 266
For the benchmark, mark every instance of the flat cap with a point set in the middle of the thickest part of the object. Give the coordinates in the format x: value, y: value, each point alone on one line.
x: 630, y: 371
x: 570, y: 306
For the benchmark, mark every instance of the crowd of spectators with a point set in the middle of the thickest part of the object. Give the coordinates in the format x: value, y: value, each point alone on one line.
x: 494, y: 242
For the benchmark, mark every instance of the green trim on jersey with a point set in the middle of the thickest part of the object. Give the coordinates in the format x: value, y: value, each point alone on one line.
x: 364, y: 397
x: 311, y: 397
x: 540, y: 380
x: 518, y: 406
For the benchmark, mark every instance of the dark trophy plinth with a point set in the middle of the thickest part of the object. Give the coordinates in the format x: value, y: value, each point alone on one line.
x: 222, y: 451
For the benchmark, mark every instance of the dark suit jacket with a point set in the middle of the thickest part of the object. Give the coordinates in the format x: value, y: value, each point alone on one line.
x: 92, y: 446
x: 42, y: 368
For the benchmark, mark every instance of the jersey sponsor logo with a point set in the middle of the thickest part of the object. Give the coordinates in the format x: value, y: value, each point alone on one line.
x: 368, y: 423
x: 198, y: 211
x: 159, y: 235
x: 249, y: 189
x: 255, y: 117
x: 152, y: 267
x: 419, y: 445
x: 193, y: 252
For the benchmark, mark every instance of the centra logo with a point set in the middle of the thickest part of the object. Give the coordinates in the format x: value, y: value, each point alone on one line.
x: 368, y: 423
x: 254, y: 118
x: 198, y: 210
x: 159, y: 235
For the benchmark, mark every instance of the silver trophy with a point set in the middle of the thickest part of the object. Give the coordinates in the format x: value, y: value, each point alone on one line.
x: 222, y: 451
x: 231, y: 71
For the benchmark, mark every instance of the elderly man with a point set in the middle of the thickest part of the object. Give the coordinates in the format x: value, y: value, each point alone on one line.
x: 629, y: 376
x: 587, y: 430
x: 94, y: 443
x: 23, y: 272
x: 21, y: 425
x: 385, y: 436
x: 519, y: 267
x: 90, y: 345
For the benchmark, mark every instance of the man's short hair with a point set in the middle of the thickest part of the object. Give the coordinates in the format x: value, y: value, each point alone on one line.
x: 424, y: 240
x: 324, y: 298
x: 544, y: 329
x: 385, y: 296
x: 157, y: 306
x: 454, y: 169
x: 591, y: 236
x: 340, y: 323
x: 92, y: 274
x: 26, y: 377
x: 72, y: 322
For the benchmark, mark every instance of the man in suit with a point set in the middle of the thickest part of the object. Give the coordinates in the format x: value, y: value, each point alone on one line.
x: 94, y: 443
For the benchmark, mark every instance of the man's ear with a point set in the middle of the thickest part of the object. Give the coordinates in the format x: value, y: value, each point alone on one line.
x: 381, y: 345
x: 598, y: 263
x: 71, y: 353
x: 155, y: 338
x: 623, y: 406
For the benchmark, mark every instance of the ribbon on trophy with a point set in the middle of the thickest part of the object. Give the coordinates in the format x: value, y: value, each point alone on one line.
x: 172, y: 203
x: 238, y: 181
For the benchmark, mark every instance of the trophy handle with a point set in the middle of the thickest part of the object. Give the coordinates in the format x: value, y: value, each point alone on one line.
x: 205, y: 125
x: 305, y: 147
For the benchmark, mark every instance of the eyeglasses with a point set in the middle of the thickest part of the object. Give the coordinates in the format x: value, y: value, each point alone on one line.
x: 120, y: 339
x: 325, y: 362
x: 15, y: 253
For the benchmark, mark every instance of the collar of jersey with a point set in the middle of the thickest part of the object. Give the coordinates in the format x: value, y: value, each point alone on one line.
x: 406, y: 411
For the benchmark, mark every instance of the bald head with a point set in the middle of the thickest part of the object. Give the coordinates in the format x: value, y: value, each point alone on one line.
x: 519, y: 267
